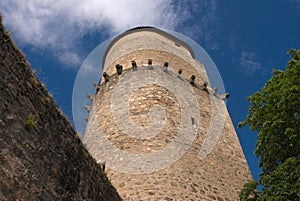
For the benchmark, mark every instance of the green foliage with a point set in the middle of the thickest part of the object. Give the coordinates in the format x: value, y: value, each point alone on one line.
x: 275, y: 114
x: 249, y: 192
x: 30, y: 122
x: 284, y: 182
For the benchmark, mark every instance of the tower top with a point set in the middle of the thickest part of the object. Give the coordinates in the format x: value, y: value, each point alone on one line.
x: 148, y: 29
x: 92, y: 67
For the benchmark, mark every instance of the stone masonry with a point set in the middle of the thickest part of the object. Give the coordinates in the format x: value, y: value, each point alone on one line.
x: 41, y: 156
x: 161, y: 137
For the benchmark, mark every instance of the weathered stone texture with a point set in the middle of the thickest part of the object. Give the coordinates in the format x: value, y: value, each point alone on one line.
x: 218, y: 176
x: 141, y: 46
x: 47, y: 162
x: 143, y: 41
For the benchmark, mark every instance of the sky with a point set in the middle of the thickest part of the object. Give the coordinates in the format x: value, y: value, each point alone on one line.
x: 245, y: 39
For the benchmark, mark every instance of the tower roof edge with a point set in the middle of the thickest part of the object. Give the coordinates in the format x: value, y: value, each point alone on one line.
x: 147, y: 28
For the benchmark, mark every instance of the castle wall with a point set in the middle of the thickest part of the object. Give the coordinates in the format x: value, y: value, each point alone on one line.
x: 47, y: 161
x: 165, y: 160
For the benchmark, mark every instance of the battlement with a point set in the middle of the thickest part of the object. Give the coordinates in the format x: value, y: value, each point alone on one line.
x: 164, y: 69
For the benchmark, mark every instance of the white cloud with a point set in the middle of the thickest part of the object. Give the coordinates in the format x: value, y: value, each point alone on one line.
x: 58, y: 26
x: 69, y: 58
x: 199, y: 21
x: 89, y: 68
x: 249, y: 63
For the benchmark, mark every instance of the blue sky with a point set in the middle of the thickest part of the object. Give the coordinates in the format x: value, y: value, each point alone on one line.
x: 245, y: 39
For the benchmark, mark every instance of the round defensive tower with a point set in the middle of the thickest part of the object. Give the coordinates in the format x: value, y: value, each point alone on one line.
x: 159, y: 124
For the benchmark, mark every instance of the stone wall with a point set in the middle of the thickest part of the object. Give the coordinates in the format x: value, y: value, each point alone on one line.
x: 204, y: 172
x: 41, y: 156
x: 209, y: 165
x: 219, y: 176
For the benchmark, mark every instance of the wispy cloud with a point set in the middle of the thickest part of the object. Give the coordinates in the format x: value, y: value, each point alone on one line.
x: 199, y: 20
x: 58, y: 26
x: 296, y: 3
x: 234, y: 41
x: 249, y: 63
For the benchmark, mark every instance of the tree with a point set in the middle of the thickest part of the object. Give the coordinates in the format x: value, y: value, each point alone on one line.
x: 275, y: 114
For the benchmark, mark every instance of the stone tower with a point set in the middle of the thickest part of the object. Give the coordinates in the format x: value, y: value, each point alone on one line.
x: 159, y: 124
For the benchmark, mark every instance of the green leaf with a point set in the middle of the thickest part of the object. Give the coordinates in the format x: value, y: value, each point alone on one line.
x: 274, y: 112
